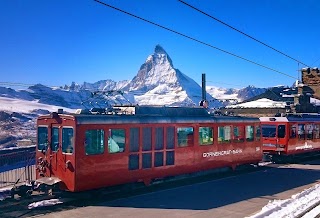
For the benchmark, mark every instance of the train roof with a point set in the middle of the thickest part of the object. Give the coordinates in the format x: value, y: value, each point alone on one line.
x: 293, y: 118
x: 153, y: 114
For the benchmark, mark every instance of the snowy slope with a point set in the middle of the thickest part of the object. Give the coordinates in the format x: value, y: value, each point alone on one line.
x: 24, y: 106
x: 234, y: 95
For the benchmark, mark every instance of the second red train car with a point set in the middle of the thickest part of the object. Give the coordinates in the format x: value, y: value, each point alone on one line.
x: 292, y: 135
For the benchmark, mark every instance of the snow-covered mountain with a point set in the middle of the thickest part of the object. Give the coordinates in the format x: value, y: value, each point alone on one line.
x: 159, y: 83
x: 156, y: 83
x: 234, y: 95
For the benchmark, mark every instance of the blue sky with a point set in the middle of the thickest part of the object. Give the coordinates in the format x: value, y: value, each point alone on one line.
x: 55, y: 42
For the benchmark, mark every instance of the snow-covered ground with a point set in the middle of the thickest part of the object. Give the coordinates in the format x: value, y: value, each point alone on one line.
x: 277, y: 208
x: 24, y: 106
x: 293, y: 206
x: 5, y: 193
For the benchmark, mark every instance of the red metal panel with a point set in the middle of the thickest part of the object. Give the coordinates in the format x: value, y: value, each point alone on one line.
x: 85, y: 172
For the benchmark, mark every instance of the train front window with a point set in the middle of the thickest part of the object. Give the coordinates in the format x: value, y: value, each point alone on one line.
x: 269, y: 131
x: 258, y: 133
x: 42, y: 138
x: 281, y: 131
x: 116, y: 140
x: 54, y: 139
x: 94, y: 143
x: 205, y: 135
x: 67, y: 140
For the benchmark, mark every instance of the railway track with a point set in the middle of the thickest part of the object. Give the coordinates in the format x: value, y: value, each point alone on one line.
x: 18, y: 207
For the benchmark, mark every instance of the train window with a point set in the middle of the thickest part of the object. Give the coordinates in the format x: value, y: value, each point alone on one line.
x: 159, y: 138
x: 146, y: 160
x: 309, y: 131
x: 316, y: 131
x: 42, y: 138
x: 258, y: 133
x: 293, y: 131
x: 249, y: 133
x: 134, y: 140
x: 133, y: 161
x: 116, y: 140
x: 301, y: 132
x: 170, y: 158
x: 224, y: 134
x: 185, y: 136
x: 205, y: 135
x: 269, y: 131
x: 146, y: 139
x: 170, y: 137
x: 158, y: 159
x: 94, y: 142
x: 238, y: 134
x: 281, y: 131
x: 54, y: 139
x: 67, y: 140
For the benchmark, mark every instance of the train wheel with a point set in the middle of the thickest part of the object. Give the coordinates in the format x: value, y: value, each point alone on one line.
x: 147, y: 182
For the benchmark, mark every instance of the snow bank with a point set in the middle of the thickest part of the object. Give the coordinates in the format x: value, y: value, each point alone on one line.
x: 45, y: 203
x: 290, y: 207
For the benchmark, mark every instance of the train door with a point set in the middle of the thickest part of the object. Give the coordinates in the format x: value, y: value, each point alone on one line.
x: 269, y: 133
x: 67, y: 145
x: 282, y: 137
x: 275, y: 136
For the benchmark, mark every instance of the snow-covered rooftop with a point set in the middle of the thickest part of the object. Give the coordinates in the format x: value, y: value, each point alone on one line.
x: 260, y: 103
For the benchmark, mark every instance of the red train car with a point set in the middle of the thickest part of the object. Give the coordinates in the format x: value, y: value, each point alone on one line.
x: 286, y: 137
x: 90, y: 150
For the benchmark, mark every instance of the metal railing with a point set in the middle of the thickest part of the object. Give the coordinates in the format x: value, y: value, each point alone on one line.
x: 17, y: 167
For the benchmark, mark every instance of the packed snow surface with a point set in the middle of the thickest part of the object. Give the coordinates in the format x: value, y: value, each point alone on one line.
x: 293, y: 206
x: 45, y: 203
x: 24, y: 106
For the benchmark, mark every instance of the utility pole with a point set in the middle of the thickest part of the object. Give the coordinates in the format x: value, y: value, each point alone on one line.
x: 204, y: 86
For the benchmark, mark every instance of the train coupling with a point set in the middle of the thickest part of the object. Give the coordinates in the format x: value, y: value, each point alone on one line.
x: 44, y: 184
x: 24, y: 190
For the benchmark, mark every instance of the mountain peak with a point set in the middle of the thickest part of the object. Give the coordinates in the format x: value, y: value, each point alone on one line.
x: 158, y: 49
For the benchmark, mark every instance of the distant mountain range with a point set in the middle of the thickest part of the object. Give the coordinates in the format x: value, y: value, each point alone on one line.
x: 156, y: 83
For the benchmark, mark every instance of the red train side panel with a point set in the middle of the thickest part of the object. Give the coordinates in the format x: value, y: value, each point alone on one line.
x: 88, y: 151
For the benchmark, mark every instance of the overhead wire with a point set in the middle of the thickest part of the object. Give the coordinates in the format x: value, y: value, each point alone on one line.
x: 243, y: 33
x: 194, y: 39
